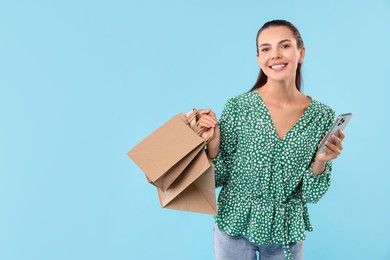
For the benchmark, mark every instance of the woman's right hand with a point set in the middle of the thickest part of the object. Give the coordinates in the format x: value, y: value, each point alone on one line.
x: 209, y: 121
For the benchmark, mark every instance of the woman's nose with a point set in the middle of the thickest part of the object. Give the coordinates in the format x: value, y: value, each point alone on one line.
x: 276, y: 54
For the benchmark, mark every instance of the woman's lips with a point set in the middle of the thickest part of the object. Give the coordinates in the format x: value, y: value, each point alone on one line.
x: 278, y: 67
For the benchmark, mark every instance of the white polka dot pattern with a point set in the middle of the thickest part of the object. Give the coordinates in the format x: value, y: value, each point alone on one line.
x: 267, y: 181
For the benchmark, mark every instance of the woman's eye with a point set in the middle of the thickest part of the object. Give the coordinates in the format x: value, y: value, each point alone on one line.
x: 285, y: 46
x: 264, y: 50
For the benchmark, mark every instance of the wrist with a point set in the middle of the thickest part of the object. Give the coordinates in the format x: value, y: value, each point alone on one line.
x: 319, y: 167
x: 321, y: 161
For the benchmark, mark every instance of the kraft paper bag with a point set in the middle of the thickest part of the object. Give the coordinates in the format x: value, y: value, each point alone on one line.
x: 174, y: 160
x: 194, y: 189
x: 165, y: 153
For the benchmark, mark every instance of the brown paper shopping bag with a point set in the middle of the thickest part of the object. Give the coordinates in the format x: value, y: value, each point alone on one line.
x: 174, y: 160
x: 194, y: 189
x: 165, y: 153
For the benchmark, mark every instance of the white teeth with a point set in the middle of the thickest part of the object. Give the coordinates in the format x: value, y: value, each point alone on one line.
x: 278, y: 66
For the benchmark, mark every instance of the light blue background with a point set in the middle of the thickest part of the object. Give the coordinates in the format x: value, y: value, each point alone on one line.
x: 82, y: 82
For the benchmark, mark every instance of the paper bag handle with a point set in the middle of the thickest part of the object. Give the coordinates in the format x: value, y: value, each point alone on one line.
x: 191, y: 116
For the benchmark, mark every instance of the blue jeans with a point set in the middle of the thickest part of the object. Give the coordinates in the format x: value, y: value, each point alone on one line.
x: 227, y: 247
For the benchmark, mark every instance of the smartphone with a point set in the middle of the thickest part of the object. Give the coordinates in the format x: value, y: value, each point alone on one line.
x: 340, y: 123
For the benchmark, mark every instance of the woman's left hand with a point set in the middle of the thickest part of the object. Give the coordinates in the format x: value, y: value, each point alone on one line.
x: 332, y: 150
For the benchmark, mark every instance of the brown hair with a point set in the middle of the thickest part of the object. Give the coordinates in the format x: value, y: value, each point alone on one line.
x: 262, y: 78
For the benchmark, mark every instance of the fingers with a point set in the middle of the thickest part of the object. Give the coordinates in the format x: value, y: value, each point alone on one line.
x: 341, y: 134
x: 213, y: 114
x: 208, y: 111
x: 204, y: 111
x: 332, y: 149
x: 329, y: 153
x: 208, y: 118
x: 337, y: 142
x: 206, y: 121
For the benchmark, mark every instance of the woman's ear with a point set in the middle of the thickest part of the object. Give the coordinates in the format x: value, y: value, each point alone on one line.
x: 258, y: 59
x: 302, y: 52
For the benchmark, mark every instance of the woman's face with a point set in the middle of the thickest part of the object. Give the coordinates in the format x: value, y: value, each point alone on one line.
x: 278, y: 53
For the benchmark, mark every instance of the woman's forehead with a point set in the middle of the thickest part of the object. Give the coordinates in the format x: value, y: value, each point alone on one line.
x: 275, y: 34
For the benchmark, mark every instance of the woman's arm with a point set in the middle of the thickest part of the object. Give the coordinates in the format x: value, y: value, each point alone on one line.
x: 222, y: 146
x: 318, y: 167
x: 316, y: 180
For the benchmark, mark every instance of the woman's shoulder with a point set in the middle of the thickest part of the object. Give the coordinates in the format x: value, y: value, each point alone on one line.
x: 323, y: 109
x: 241, y: 99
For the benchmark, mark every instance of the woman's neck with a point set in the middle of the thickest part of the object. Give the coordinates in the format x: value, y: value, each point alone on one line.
x: 280, y: 92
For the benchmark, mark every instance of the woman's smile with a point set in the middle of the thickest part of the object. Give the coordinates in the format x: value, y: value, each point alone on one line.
x: 278, y: 67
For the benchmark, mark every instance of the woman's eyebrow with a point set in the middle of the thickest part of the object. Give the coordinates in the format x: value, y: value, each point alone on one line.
x: 282, y: 41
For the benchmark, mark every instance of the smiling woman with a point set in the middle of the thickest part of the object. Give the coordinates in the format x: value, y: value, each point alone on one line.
x: 266, y: 48
x: 264, y: 152
x: 283, y: 44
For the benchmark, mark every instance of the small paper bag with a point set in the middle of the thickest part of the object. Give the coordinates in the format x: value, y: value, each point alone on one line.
x: 165, y: 153
x: 194, y: 189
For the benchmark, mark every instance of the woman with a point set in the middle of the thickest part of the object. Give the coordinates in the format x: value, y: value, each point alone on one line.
x: 264, y: 152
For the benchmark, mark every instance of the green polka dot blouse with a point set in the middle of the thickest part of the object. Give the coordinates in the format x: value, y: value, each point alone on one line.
x: 267, y: 181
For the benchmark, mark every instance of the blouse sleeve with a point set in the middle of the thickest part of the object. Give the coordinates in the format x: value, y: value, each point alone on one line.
x: 223, y: 161
x: 314, y: 187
